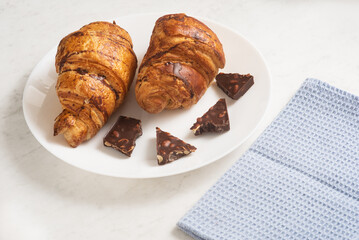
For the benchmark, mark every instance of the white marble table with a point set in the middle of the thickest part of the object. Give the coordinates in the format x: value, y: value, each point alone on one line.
x: 45, y: 198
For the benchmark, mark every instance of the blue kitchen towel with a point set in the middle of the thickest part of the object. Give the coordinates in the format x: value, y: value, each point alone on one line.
x: 299, y: 180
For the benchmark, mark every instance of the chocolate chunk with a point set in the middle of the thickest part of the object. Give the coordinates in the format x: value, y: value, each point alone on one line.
x: 214, y: 120
x: 170, y: 148
x: 123, y: 135
x: 233, y: 84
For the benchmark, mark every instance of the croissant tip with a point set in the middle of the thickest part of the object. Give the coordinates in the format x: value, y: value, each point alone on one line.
x: 154, y: 104
x: 73, y: 145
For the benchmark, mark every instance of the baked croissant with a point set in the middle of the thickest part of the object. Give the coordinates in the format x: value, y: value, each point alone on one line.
x: 181, y: 61
x: 95, y: 67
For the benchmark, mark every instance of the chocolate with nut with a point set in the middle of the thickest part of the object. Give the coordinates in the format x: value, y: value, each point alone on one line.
x: 170, y: 148
x: 214, y: 120
x: 123, y: 135
x: 233, y: 84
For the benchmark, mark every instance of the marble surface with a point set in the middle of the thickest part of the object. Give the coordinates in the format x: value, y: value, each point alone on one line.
x: 45, y: 198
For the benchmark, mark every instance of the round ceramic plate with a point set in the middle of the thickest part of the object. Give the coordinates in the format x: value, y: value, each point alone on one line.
x: 41, y: 106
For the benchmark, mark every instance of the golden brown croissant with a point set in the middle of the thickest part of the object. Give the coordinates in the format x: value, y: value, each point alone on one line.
x: 181, y: 61
x: 95, y: 67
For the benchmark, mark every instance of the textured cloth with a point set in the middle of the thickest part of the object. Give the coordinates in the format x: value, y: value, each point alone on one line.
x: 299, y: 180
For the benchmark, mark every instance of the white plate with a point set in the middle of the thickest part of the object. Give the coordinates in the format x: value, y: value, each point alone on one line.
x: 41, y: 106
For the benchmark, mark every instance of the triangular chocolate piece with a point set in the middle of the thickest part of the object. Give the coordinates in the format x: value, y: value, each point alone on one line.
x: 123, y: 135
x: 233, y: 84
x: 214, y: 120
x: 170, y: 148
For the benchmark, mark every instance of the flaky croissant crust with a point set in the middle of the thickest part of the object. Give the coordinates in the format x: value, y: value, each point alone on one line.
x: 95, y: 67
x: 181, y: 61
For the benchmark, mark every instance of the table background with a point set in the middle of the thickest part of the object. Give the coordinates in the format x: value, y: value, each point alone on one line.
x: 42, y: 197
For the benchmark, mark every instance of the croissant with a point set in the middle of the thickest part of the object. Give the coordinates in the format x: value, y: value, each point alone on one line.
x: 181, y: 61
x: 95, y: 67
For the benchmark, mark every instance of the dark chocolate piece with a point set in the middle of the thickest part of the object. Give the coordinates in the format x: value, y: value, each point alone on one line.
x: 214, y: 120
x: 233, y: 84
x: 123, y: 135
x: 170, y: 148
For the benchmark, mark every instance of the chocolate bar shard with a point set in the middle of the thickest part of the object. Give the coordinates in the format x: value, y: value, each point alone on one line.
x: 170, y: 148
x: 214, y: 120
x: 123, y: 135
x: 233, y: 84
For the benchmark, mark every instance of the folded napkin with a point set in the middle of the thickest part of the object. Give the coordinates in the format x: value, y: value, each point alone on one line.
x: 299, y: 180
